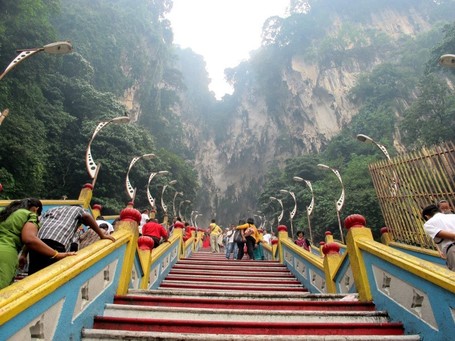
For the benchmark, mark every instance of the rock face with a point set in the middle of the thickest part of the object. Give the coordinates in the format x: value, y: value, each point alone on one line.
x: 314, y: 108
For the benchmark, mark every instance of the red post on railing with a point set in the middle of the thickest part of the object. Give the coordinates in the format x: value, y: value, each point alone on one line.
x: 332, y: 259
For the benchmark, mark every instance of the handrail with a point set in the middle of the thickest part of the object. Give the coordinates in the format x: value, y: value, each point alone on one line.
x: 439, y: 276
x: 20, y: 295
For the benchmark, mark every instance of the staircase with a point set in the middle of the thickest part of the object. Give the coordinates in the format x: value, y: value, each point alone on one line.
x: 208, y: 297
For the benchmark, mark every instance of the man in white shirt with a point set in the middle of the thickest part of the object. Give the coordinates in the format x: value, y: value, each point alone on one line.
x: 267, y: 237
x: 441, y: 227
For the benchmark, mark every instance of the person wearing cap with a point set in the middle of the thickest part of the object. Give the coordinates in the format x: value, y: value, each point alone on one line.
x: 441, y: 228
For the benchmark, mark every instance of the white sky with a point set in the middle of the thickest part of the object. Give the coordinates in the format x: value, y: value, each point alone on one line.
x: 222, y: 31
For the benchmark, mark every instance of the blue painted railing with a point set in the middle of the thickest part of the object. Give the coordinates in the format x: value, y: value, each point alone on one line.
x: 414, y: 291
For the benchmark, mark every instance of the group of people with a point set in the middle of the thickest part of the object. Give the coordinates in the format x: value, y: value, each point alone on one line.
x: 238, y: 239
x: 29, y: 235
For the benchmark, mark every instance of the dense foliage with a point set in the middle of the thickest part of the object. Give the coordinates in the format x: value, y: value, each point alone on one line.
x: 56, y: 102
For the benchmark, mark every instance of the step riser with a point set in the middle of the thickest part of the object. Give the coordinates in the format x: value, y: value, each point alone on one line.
x: 265, y: 280
x: 109, y: 335
x: 245, y: 304
x: 236, y: 315
x: 247, y: 328
x: 230, y: 273
x: 230, y: 288
x: 244, y: 269
x: 232, y: 262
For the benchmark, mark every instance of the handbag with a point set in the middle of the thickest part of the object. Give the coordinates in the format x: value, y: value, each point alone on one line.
x: 238, y: 236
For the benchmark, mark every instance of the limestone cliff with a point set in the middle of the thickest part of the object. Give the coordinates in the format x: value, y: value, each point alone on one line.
x: 312, y: 109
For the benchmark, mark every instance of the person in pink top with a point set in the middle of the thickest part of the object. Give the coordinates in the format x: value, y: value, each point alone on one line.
x: 302, y: 241
x: 155, y: 231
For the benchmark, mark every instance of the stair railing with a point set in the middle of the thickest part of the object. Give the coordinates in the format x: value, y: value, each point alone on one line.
x: 414, y: 291
x: 158, y: 262
x: 419, y: 293
x: 64, y: 297
x: 329, y: 273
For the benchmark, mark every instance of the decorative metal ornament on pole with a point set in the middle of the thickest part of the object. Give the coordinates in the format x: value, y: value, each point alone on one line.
x: 3, y: 115
x: 195, y: 222
x: 163, y: 205
x: 294, y: 210
x: 180, y: 206
x: 191, y: 217
x: 367, y: 139
x: 340, y: 202
x: 59, y: 47
x: 173, y: 202
x: 129, y: 189
x: 394, y: 186
x: 149, y: 195
x: 309, y: 208
x: 92, y: 167
x: 447, y: 60
x: 282, y: 209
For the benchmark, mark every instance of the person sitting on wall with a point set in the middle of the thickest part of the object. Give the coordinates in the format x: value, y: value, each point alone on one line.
x: 58, y: 228
x: 441, y: 228
x: 155, y: 231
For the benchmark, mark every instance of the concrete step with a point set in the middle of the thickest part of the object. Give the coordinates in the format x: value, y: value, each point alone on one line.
x: 266, y: 295
x: 267, y: 301
x: 208, y: 297
x: 231, y: 272
x: 247, y: 327
x: 260, y: 316
x: 237, y: 266
x: 104, y: 334
x: 207, y: 285
x: 247, y: 262
x: 232, y: 279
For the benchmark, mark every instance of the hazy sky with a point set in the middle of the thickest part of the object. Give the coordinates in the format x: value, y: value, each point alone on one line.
x: 222, y: 31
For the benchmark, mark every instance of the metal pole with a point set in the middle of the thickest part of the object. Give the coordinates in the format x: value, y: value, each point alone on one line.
x: 340, y: 202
